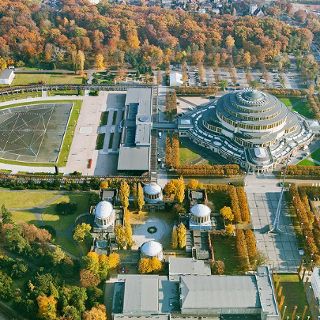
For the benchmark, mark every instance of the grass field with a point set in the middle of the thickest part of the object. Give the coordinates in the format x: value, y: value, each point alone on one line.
x: 300, y: 105
x: 187, y: 156
x: 35, y: 78
x: 224, y: 249
x: 22, y: 95
x: 294, y: 293
x: 66, y: 144
x: 310, y: 160
x: 30, y: 206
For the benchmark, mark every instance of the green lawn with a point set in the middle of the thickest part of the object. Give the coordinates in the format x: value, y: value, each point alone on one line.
x: 309, y: 161
x: 187, y: 156
x: 68, y: 137
x: 24, y: 204
x: 294, y: 293
x: 35, y: 78
x: 224, y: 249
x: 300, y: 105
x: 22, y: 95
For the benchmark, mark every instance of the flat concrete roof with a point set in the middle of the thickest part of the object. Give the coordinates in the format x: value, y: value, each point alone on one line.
x: 187, y: 266
x: 134, y: 158
x: 218, y: 292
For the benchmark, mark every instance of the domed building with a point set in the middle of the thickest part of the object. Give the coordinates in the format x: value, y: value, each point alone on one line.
x: 104, y: 215
x: 248, y: 127
x: 152, y: 249
x: 199, y: 218
x: 152, y: 193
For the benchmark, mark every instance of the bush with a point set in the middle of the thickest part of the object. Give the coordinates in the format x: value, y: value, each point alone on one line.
x: 66, y: 208
x: 50, y: 229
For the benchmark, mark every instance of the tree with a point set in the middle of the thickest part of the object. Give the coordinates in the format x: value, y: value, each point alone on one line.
x: 80, y: 61
x: 113, y: 260
x: 182, y: 235
x: 193, y: 184
x: 230, y: 42
x: 124, y: 193
x: 6, y: 286
x: 227, y: 214
x: 223, y: 84
x: 47, y: 307
x: 180, y: 193
x: 91, y: 262
x: 218, y: 267
x: 6, y: 215
x: 103, y: 266
x: 99, y: 62
x: 81, y: 232
x: 247, y: 58
x: 57, y: 255
x: 251, y: 245
x: 104, y: 184
x: 121, y: 237
x: 155, y: 264
x: 144, y: 265
x: 128, y: 233
x: 88, y: 278
x: 140, y: 197
x: 96, y: 313
x: 174, y: 238
x: 230, y: 229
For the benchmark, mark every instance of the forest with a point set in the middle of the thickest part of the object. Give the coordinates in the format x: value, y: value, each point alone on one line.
x: 77, y: 35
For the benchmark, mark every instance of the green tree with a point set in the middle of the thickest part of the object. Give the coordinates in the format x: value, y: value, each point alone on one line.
x: 6, y: 215
x: 57, y: 255
x: 81, y: 232
x: 6, y: 286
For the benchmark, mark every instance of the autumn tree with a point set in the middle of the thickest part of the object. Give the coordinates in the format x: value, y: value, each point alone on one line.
x: 230, y: 228
x: 140, y: 197
x: 99, y: 61
x: 218, y: 267
x: 96, y: 313
x: 180, y: 190
x: 88, y: 278
x: 251, y: 245
x: 149, y: 265
x: 230, y: 42
x: 182, y: 235
x: 193, y: 184
x: 174, y: 238
x: 113, y: 260
x: 47, y: 307
x: 80, y: 59
x: 124, y: 193
x: 227, y: 214
x: 81, y: 232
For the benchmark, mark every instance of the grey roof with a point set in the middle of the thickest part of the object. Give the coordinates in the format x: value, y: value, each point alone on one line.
x: 218, y: 292
x: 135, y: 158
x: 6, y: 73
x: 134, y: 153
x: 188, y: 266
x: 140, y: 294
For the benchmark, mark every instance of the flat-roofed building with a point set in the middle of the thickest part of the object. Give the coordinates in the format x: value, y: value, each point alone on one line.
x: 193, y: 296
x: 7, y: 76
x: 135, y: 144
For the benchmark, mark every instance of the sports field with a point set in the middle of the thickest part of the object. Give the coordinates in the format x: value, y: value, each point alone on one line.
x: 33, y: 133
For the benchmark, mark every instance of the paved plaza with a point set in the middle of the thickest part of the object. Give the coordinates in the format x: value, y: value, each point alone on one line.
x: 280, y: 248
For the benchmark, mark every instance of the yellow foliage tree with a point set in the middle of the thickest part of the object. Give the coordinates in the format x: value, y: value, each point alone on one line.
x: 174, y: 238
x: 180, y: 193
x: 140, y: 197
x: 182, y: 235
x: 113, y: 260
x: 47, y: 307
x: 230, y: 229
x: 155, y: 264
x: 124, y: 193
x: 227, y: 214
x: 144, y: 265
x: 99, y: 62
x: 104, y: 184
x: 193, y: 184
x: 96, y: 313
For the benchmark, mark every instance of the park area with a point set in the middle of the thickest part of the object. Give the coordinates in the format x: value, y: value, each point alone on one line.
x: 45, y: 78
x: 39, y: 207
x: 312, y: 160
x: 294, y: 295
x: 299, y: 105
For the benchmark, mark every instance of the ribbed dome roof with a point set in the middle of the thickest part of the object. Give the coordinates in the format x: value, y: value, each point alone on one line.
x: 200, y: 210
x: 103, y: 210
x: 152, y: 188
x: 151, y: 248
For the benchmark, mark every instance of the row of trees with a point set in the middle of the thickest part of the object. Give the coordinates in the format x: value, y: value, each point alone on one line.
x: 172, y: 158
x: 207, y: 169
x: 171, y: 104
x: 246, y: 248
x: 76, y: 34
x: 295, y: 170
x: 179, y: 236
x: 314, y: 104
x: 309, y: 227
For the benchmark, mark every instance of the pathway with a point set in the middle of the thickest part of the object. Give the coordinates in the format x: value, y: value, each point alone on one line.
x: 280, y: 248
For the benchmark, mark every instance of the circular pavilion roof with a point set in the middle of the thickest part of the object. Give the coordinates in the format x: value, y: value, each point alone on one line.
x: 152, y: 188
x: 252, y: 106
x: 103, y: 210
x: 200, y: 210
x: 151, y: 248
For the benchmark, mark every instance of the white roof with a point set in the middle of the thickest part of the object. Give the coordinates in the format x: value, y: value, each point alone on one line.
x: 200, y: 210
x: 103, y: 210
x: 152, y: 188
x: 260, y: 152
x: 151, y: 248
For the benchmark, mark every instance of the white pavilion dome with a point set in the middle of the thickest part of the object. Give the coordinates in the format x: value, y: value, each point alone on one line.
x: 104, y: 210
x: 151, y: 249
x: 152, y: 189
x: 200, y: 210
